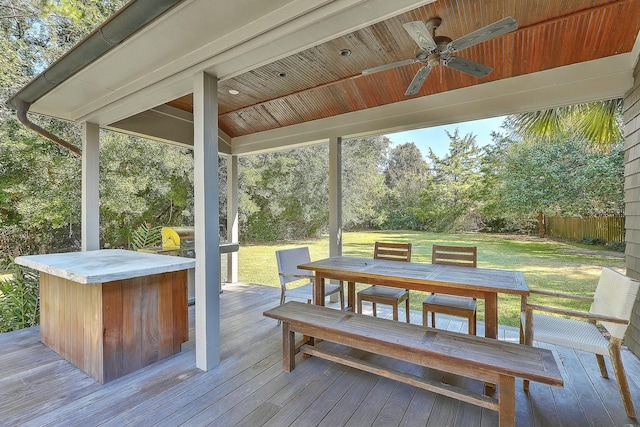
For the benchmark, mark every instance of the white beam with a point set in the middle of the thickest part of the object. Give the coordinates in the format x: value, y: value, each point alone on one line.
x: 90, y: 228
x: 205, y: 155
x: 232, y: 216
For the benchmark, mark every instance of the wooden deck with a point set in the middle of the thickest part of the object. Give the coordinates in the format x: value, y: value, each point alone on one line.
x: 249, y: 388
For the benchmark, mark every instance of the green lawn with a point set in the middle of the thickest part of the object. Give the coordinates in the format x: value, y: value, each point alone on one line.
x: 546, y: 264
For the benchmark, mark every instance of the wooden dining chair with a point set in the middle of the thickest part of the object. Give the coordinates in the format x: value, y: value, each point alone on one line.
x: 289, y: 273
x: 377, y: 294
x: 611, y: 306
x: 464, y: 256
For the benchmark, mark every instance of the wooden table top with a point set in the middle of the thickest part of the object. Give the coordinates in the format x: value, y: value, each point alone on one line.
x: 367, y: 270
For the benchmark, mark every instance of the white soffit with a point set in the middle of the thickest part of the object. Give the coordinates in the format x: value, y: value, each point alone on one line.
x: 222, y: 37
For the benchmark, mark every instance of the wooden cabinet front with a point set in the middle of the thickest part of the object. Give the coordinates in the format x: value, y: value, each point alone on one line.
x: 111, y: 329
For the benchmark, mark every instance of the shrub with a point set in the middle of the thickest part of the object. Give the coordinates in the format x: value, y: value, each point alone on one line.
x: 19, y: 299
x: 618, y: 246
x: 594, y: 241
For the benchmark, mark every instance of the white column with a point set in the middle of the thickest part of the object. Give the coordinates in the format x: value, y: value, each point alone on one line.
x: 335, y: 196
x: 207, y: 275
x: 232, y: 216
x: 90, y: 218
x: 335, y: 201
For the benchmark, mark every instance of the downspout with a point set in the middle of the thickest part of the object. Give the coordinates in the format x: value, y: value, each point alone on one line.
x: 21, y: 112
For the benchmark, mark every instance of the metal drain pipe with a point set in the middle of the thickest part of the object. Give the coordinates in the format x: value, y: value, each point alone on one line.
x: 21, y: 112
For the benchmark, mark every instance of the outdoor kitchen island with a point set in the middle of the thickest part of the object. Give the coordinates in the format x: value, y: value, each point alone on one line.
x: 111, y: 312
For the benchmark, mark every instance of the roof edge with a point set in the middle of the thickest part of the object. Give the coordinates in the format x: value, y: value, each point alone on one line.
x: 127, y: 21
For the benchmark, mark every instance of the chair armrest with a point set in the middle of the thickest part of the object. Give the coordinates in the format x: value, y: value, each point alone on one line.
x: 588, y: 316
x: 561, y: 295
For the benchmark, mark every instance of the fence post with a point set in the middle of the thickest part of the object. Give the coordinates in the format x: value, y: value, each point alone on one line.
x: 541, y: 224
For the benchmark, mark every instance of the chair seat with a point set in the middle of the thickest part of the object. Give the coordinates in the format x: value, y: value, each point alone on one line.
x: 383, y: 292
x: 440, y: 300
x: 560, y: 331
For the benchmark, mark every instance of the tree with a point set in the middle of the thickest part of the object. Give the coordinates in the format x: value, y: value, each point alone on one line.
x: 39, y: 180
x: 406, y: 174
x: 284, y: 195
x: 142, y: 182
x: 450, y: 201
x: 363, y: 182
x: 563, y: 177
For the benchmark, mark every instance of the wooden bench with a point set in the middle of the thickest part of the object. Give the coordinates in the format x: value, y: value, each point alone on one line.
x: 480, y: 358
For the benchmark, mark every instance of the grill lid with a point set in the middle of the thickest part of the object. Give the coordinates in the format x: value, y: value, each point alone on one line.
x: 177, y: 237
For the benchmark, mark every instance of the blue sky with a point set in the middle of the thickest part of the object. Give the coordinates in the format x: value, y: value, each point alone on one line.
x: 437, y: 139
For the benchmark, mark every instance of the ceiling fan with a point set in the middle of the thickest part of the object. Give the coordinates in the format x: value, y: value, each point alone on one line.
x: 436, y: 50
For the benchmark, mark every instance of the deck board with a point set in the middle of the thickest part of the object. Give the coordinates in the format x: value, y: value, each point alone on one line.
x: 249, y: 388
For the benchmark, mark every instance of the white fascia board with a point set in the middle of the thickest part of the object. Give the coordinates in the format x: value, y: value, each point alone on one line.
x: 636, y: 50
x: 601, y: 79
x: 247, y: 48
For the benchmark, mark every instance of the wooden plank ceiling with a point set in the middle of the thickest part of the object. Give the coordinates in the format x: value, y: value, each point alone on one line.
x: 319, y: 82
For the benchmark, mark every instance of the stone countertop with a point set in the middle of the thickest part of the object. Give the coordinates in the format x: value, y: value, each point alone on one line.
x: 104, y: 265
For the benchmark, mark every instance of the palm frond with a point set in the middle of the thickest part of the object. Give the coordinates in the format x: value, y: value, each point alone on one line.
x: 545, y: 124
x: 600, y: 123
x: 146, y: 236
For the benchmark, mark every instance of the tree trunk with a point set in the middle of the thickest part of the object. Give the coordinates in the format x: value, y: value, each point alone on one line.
x: 541, y: 227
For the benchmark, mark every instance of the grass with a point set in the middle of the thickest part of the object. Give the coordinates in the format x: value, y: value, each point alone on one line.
x: 546, y: 264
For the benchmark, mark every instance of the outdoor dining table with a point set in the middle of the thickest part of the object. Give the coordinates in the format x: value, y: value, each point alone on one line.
x: 480, y: 283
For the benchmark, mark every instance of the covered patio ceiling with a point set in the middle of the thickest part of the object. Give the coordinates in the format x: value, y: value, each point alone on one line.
x: 295, y: 88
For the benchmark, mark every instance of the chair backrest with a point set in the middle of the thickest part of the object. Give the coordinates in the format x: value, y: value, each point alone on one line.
x: 615, y: 296
x: 464, y: 256
x: 392, y: 251
x: 288, y: 262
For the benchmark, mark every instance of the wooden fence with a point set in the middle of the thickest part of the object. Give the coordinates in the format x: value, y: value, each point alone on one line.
x: 608, y: 229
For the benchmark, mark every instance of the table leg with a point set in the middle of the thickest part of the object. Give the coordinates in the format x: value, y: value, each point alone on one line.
x: 491, y: 315
x: 318, y: 289
x: 351, y: 296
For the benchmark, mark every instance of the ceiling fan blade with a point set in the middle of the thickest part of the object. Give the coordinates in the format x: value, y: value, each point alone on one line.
x: 389, y: 66
x: 417, y: 81
x: 496, y: 29
x: 467, y: 66
x: 419, y: 32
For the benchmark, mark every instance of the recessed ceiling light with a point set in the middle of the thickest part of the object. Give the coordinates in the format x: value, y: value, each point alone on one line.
x: 233, y: 92
x: 282, y: 74
x: 345, y: 52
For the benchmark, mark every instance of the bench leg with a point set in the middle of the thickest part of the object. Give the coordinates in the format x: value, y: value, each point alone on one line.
x: 288, y: 348
x: 507, y: 401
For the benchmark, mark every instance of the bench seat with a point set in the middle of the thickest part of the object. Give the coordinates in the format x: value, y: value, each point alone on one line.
x: 480, y: 358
